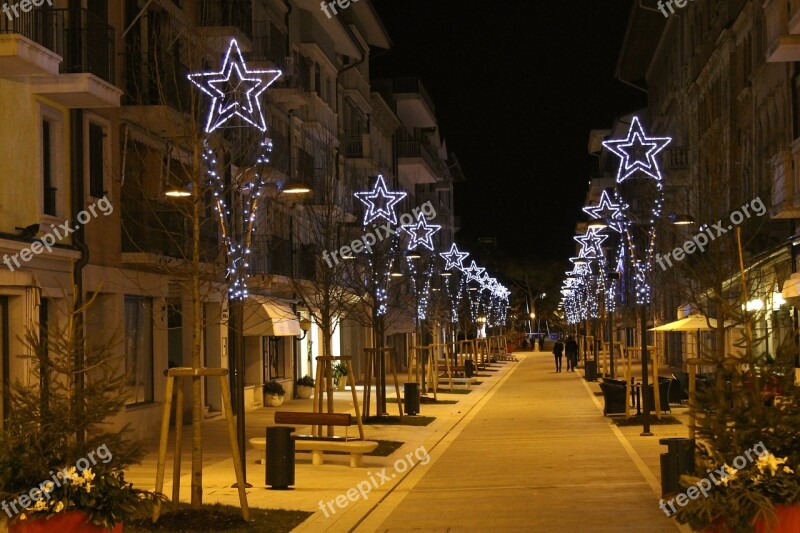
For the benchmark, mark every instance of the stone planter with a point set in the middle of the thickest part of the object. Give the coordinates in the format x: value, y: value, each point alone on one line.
x: 67, y: 522
x: 304, y: 392
x: 273, y: 400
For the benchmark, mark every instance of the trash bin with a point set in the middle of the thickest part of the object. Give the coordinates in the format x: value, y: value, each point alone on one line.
x: 678, y: 460
x: 590, y: 370
x: 469, y: 368
x: 411, y: 398
x: 280, y: 457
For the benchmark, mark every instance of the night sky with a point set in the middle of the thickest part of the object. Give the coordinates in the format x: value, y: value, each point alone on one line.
x: 518, y: 85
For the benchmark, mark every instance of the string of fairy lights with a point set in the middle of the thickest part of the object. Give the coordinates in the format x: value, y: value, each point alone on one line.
x: 488, y: 299
x: 235, y: 92
x: 592, y: 278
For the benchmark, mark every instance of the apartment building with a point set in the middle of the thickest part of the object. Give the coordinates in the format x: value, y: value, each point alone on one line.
x: 98, y: 98
x: 721, y: 82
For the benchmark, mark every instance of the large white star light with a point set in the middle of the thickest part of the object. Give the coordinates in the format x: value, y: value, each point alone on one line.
x: 380, y: 202
x: 637, y: 152
x: 591, y: 242
x: 421, y: 232
x: 607, y: 210
x: 473, y: 272
x: 235, y: 90
x: 454, y: 258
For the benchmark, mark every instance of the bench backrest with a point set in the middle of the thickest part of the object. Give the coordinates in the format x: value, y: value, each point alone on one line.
x: 313, y: 419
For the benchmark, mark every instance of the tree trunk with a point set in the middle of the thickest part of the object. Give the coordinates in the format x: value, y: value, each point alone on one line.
x: 327, y: 349
x: 197, y: 328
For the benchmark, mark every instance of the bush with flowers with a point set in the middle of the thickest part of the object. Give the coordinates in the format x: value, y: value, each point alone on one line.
x: 743, y: 408
x: 55, y: 422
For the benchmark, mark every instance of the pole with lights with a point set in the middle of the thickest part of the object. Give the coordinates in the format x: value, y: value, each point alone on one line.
x: 641, y: 195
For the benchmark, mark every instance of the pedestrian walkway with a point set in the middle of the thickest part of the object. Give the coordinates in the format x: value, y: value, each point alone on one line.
x: 527, y: 450
x: 535, y: 456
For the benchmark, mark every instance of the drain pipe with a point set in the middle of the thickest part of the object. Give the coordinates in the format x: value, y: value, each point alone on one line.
x: 76, y: 116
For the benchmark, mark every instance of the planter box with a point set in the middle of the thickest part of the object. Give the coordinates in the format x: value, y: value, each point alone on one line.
x: 788, y: 522
x: 273, y: 400
x: 67, y: 522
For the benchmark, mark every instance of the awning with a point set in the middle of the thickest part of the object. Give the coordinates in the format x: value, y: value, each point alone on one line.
x: 269, y: 318
x: 690, y: 323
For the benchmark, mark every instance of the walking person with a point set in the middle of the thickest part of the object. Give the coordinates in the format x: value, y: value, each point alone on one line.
x: 541, y: 343
x: 558, y: 349
x: 571, y: 349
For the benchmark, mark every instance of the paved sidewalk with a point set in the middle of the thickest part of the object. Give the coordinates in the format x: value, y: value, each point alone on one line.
x: 537, y: 456
x: 526, y: 450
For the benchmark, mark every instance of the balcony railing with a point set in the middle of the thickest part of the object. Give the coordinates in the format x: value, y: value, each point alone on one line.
x: 162, y: 230
x: 417, y: 149
x: 357, y: 147
x: 678, y: 158
x: 236, y: 13
x: 54, y: 29
x: 157, y: 80
x: 270, y: 255
x: 404, y: 85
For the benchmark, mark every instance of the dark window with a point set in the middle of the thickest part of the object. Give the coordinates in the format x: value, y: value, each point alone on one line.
x: 139, y: 349
x: 317, y: 80
x: 96, y: 138
x: 49, y: 192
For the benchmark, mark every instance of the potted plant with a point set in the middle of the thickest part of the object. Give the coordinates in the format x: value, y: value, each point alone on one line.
x: 273, y: 393
x: 340, y: 375
x: 61, y: 468
x: 747, y: 424
x: 305, y: 387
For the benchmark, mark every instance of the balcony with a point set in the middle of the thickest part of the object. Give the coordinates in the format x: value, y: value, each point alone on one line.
x: 416, y: 163
x: 678, y: 158
x: 357, y: 88
x: 270, y: 255
x: 320, y: 118
x: 412, y: 103
x: 782, y: 45
x: 357, y: 147
x: 162, y: 230
x: 785, y: 191
x: 158, y: 94
x: 85, y: 78
x: 223, y: 20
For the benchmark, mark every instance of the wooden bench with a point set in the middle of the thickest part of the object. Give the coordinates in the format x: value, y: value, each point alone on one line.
x: 318, y: 445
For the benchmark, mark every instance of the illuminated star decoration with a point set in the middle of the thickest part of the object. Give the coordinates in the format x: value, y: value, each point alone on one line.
x: 473, y: 272
x: 454, y: 258
x: 610, y: 212
x: 637, y: 152
x: 380, y: 202
x: 591, y: 241
x: 235, y: 90
x: 421, y: 232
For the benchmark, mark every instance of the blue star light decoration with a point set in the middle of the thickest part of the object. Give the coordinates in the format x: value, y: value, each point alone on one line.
x: 591, y: 242
x: 421, y: 232
x: 380, y: 202
x: 612, y: 213
x: 638, y: 152
x: 235, y: 91
x: 454, y: 258
x: 473, y: 272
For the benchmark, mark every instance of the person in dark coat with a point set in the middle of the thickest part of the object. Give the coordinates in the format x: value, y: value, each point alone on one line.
x: 571, y: 350
x: 541, y: 343
x: 558, y: 348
